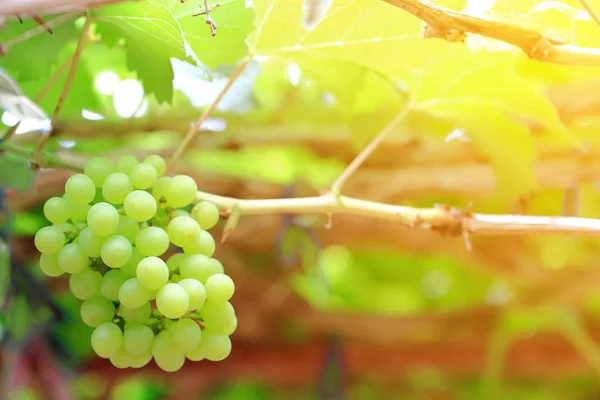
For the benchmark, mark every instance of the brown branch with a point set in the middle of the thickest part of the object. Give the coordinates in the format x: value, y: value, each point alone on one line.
x: 448, y: 24
x: 590, y: 10
x: 13, y: 7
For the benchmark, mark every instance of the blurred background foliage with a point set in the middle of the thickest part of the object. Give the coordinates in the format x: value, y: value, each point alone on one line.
x: 365, y: 309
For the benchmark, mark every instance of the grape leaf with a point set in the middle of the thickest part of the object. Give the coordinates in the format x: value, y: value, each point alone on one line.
x: 370, y: 33
x: 152, y: 37
x: 35, y: 51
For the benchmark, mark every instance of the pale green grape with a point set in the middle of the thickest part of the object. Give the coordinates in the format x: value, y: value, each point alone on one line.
x: 219, y: 288
x: 143, y: 175
x: 137, y: 338
x: 132, y: 294
x: 49, y: 265
x: 130, y: 268
x: 152, y: 241
x: 199, y: 267
x: 172, y: 300
x: 107, y: 339
x: 206, y: 214
x: 140, y: 314
x: 227, y: 330
x: 128, y: 228
x: 195, y: 354
x: 195, y: 291
x: 85, y: 284
x: 71, y: 259
x: 180, y: 213
x: 57, y: 210
x: 186, y: 334
x: 49, y: 240
x: 111, y: 283
x: 121, y: 359
x: 183, y: 231
x: 103, y: 219
x: 158, y: 163
x: 97, y: 311
x: 116, y: 251
x: 205, y: 244
x: 140, y: 205
x: 126, y: 163
x: 160, y: 187
x: 78, y: 212
x: 80, y: 189
x: 141, y: 360
x: 152, y: 273
x: 174, y: 262
x: 167, y: 355
x: 214, y: 347
x: 217, y: 316
x: 98, y: 168
x: 116, y: 187
x: 89, y: 243
x: 181, y: 192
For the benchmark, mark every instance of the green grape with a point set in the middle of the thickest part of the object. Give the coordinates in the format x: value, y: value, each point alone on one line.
x: 227, y: 330
x: 71, y: 259
x: 111, y: 283
x: 85, y: 284
x: 103, y: 219
x: 132, y: 294
x: 116, y: 187
x: 206, y: 214
x: 195, y: 354
x: 128, y: 228
x: 160, y: 187
x: 116, y: 251
x: 49, y: 240
x: 141, y: 360
x: 98, y: 168
x: 107, y: 339
x: 181, y: 192
x: 219, y: 288
x: 140, y: 205
x: 158, y: 163
x: 199, y: 267
x: 167, y: 355
x: 80, y: 189
x: 175, y: 278
x: 186, y: 334
x: 126, y: 163
x: 217, y: 316
x: 66, y: 228
x: 97, y: 311
x: 78, y: 212
x: 140, y: 314
x: 121, y: 359
x: 214, y: 347
x: 152, y: 273
x: 49, y: 265
x: 152, y: 241
x: 205, y: 244
x: 174, y: 262
x: 183, y: 231
x: 137, y: 338
x: 57, y: 210
x: 195, y: 291
x: 180, y: 213
x: 172, y: 300
x: 89, y: 243
x: 130, y: 268
x: 143, y: 175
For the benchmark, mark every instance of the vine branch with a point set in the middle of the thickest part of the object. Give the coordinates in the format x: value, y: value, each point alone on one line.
x: 450, y: 25
x: 590, y: 10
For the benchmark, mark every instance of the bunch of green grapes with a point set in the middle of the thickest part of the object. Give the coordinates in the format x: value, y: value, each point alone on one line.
x: 110, y: 232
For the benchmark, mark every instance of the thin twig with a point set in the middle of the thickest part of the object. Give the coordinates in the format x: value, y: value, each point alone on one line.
x: 211, y: 107
x: 590, y: 10
x: 40, y: 96
x: 336, y: 188
x: 12, y: 7
x: 83, y: 37
x: 209, y: 20
x: 61, y: 19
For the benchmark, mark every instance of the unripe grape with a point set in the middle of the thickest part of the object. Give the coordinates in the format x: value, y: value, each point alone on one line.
x: 103, y: 219
x: 217, y: 316
x: 152, y: 273
x: 85, y: 284
x: 175, y: 261
x: 206, y: 214
x: 140, y: 205
x: 186, y: 334
x: 89, y: 243
x: 205, y: 244
x: 183, y: 231
x: 107, y: 339
x: 121, y: 359
x: 49, y: 240
x: 143, y: 175
x: 111, y: 283
x: 213, y: 347
x: 71, y: 259
x: 128, y: 228
x: 195, y: 291
x: 167, y: 355
x: 80, y: 189
x: 137, y: 338
x: 160, y: 187
x: 172, y: 301
x: 78, y: 212
x: 97, y: 311
x: 57, y: 210
x: 126, y: 163
x: 132, y: 294
x: 158, y: 163
x: 140, y: 314
x: 130, y: 268
x: 116, y: 187
x: 116, y: 251
x: 219, y: 288
x: 152, y: 241
x: 181, y: 192
x: 98, y: 168
x: 141, y: 360
x: 199, y: 267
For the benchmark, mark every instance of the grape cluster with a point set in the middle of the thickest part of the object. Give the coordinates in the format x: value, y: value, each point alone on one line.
x: 109, y: 231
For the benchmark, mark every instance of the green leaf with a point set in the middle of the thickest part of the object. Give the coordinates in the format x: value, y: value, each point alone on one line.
x: 35, y: 51
x: 20, y: 177
x: 370, y: 33
x: 152, y: 36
